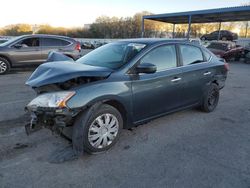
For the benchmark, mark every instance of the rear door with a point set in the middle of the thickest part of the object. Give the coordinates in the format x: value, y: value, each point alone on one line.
x: 154, y: 94
x: 53, y: 44
x: 197, y: 73
x: 28, y: 52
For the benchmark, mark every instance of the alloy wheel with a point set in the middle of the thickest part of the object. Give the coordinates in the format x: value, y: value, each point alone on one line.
x: 3, y: 67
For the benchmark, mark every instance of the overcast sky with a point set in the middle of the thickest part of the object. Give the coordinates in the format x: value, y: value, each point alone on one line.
x: 73, y: 13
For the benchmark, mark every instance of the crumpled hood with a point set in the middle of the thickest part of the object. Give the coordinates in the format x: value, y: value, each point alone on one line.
x: 61, y: 71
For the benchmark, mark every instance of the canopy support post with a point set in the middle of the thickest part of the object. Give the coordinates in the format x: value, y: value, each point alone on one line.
x: 219, y: 31
x: 189, y: 26
x: 173, y: 34
x: 246, y: 30
x: 142, y: 28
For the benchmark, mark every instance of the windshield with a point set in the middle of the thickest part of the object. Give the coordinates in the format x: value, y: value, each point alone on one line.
x: 218, y: 46
x: 112, y: 55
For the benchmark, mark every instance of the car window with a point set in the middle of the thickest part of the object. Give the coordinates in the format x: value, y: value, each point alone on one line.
x: 54, y: 42
x: 215, y: 33
x: 163, y: 57
x: 113, y: 55
x: 30, y: 42
x: 207, y: 55
x: 191, y: 54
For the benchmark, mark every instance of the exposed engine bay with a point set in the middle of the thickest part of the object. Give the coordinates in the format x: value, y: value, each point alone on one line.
x: 67, y: 84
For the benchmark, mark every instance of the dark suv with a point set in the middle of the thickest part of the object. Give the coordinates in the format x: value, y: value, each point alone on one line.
x: 123, y: 84
x: 33, y: 49
x: 224, y: 35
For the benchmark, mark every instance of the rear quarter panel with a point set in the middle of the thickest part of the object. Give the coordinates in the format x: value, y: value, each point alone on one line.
x: 220, y: 75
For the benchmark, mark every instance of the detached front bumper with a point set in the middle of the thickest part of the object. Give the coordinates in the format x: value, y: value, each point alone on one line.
x: 51, y: 118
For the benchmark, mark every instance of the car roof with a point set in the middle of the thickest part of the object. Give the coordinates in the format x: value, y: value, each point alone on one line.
x: 45, y: 35
x: 149, y: 41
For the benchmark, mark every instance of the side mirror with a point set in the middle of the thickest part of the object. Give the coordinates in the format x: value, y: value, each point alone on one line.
x: 18, y: 46
x: 146, y: 68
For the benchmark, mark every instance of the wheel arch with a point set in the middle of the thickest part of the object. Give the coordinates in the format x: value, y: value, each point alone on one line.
x: 120, y: 107
x: 7, y: 58
x: 117, y: 104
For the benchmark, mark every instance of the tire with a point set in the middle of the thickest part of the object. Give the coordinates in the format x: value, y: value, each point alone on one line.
x: 4, y: 66
x: 210, y: 98
x: 88, y: 133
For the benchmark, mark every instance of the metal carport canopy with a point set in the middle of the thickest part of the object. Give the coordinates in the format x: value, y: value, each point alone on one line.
x: 230, y: 14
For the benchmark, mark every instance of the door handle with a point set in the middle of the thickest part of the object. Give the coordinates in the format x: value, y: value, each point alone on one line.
x: 206, y: 73
x: 176, y: 80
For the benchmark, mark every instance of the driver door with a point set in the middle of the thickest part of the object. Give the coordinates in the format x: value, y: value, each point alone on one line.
x: 27, y: 51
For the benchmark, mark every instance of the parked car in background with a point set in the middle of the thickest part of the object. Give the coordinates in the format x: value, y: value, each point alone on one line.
x: 34, y: 49
x: 224, y: 35
x: 247, y: 58
x: 96, y: 44
x: 87, y: 45
x: 196, y: 41
x: 109, y: 88
x: 247, y: 54
x: 3, y: 40
x: 227, y: 50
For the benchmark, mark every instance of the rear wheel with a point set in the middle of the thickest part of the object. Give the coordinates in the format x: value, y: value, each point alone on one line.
x: 211, y: 98
x: 98, y: 130
x: 4, y: 65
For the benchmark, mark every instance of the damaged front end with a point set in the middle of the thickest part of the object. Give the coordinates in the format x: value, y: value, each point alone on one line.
x: 53, y: 119
x: 55, y: 84
x: 49, y: 110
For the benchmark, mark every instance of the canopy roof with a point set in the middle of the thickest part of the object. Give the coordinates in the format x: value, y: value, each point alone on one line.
x: 230, y: 14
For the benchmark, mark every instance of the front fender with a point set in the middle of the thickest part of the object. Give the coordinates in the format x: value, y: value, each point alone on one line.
x: 90, y: 94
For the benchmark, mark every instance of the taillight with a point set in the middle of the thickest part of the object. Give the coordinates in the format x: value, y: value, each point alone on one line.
x: 226, y: 65
x: 78, y: 46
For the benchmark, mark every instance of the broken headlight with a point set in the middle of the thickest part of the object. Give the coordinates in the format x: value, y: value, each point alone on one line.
x: 56, y: 99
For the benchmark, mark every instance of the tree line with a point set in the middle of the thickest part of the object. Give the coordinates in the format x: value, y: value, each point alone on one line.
x: 122, y: 27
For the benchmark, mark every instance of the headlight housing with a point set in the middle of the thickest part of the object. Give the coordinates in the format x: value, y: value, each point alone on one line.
x: 53, y: 100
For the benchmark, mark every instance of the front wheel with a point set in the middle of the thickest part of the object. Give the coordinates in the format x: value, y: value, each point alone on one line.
x: 4, y: 65
x: 211, y: 98
x: 97, y: 130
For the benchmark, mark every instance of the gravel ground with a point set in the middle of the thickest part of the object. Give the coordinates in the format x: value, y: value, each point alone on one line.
x: 184, y: 149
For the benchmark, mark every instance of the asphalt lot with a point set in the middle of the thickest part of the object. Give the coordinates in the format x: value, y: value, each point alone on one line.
x: 185, y: 149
